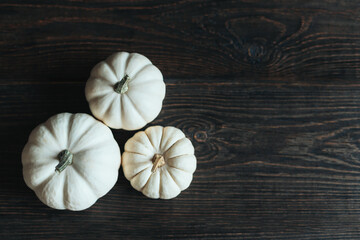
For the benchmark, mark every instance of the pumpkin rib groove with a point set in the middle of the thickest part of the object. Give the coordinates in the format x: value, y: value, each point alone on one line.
x: 147, y: 147
x: 66, y: 201
x: 71, y: 122
x: 102, y: 93
x: 129, y: 57
x: 167, y: 172
x: 88, y: 148
x: 146, y: 183
x: 112, y: 70
x: 50, y: 129
x: 152, y: 144
x: 143, y: 85
x: 122, y: 113
x: 34, y: 143
x: 139, y: 71
x: 182, y: 170
x: 82, y: 136
x: 136, y: 153
x: 108, y: 110
x: 44, y: 182
x: 161, y: 139
x: 182, y: 155
x: 136, y: 109
x: 51, y: 198
x: 93, y: 101
x: 29, y: 164
x: 141, y: 165
x: 140, y: 173
x: 94, y: 161
x: 155, y: 96
x: 116, y: 67
x: 169, y: 148
x: 87, y: 181
x: 96, y: 74
x: 100, y: 98
x: 95, y: 98
x: 123, y: 66
x: 179, y: 168
x: 159, y: 182
x: 177, y: 184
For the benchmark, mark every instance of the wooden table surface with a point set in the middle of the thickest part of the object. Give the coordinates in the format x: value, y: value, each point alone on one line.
x: 267, y: 91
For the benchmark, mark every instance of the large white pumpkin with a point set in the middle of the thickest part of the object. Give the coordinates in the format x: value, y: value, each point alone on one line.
x: 70, y: 161
x: 125, y: 91
x: 159, y: 162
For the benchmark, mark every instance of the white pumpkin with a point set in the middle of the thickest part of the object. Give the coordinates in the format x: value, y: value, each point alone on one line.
x: 70, y: 161
x: 159, y: 162
x: 125, y: 91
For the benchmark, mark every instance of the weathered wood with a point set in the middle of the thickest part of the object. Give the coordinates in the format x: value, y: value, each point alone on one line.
x: 267, y: 91
x: 184, y: 39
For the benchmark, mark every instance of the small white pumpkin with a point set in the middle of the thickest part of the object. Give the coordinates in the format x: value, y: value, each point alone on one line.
x: 70, y: 161
x: 125, y: 91
x: 159, y: 162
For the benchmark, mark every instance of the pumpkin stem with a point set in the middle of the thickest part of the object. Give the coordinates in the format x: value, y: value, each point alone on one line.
x: 158, y: 161
x: 122, y: 86
x: 65, y: 157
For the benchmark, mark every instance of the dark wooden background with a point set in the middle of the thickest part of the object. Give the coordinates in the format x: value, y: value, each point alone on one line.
x: 268, y: 92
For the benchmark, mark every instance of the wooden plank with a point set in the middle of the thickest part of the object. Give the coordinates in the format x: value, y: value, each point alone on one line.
x: 274, y: 161
x: 267, y: 91
x: 185, y: 39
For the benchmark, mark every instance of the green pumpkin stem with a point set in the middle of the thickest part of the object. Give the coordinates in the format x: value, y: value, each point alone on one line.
x: 158, y: 161
x: 66, y: 158
x: 122, y: 86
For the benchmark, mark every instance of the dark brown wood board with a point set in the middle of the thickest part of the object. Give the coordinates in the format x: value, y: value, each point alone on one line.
x: 267, y: 91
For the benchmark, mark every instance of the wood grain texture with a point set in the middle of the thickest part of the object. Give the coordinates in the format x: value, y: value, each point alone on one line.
x: 267, y: 91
